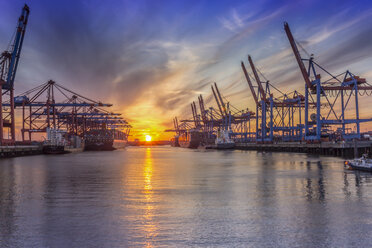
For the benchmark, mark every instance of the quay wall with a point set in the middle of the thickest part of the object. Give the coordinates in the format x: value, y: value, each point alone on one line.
x: 340, y: 149
x: 17, y: 151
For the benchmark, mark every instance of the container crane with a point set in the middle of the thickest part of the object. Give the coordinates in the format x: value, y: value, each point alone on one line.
x: 8, y: 67
x: 333, y: 91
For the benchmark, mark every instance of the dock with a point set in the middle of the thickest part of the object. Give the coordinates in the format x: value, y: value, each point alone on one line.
x: 340, y: 149
x: 16, y: 151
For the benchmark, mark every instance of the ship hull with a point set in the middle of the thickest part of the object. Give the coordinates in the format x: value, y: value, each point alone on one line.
x: 99, y: 146
x: 190, y: 140
x: 119, y: 144
x: 361, y: 168
x: 225, y: 146
x: 54, y: 149
x: 175, y: 142
x: 189, y: 144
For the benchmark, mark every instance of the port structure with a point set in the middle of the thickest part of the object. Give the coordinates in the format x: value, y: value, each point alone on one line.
x: 335, y: 100
x: 328, y: 110
x: 9, y: 60
x: 210, y: 120
x: 278, y: 118
x: 319, y: 113
x: 52, y: 105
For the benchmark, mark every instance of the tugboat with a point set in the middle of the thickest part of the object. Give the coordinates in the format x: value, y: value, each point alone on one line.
x: 223, y: 140
x: 363, y: 164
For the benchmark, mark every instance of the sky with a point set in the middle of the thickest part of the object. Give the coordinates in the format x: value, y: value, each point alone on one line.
x: 152, y: 58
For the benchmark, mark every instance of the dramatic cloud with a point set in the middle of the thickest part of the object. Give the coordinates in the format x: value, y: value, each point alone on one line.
x: 152, y: 58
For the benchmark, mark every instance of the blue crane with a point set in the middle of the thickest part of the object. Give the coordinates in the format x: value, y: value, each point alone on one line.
x: 8, y: 67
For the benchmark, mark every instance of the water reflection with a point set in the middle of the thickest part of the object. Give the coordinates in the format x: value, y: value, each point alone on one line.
x: 149, y: 225
x: 359, y: 178
x: 317, y: 191
x: 8, y: 197
x: 180, y: 198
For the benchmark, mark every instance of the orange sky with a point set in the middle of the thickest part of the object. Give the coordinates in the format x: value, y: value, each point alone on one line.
x: 151, y: 60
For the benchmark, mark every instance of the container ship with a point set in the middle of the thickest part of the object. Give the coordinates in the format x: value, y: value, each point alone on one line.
x: 104, y: 140
x: 223, y: 140
x: 190, y: 139
x: 174, y: 141
x: 59, y: 142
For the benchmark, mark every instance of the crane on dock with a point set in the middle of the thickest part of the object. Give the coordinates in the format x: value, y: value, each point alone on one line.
x: 210, y: 121
x: 9, y: 61
x: 341, y: 90
x: 52, y: 105
x: 275, y: 115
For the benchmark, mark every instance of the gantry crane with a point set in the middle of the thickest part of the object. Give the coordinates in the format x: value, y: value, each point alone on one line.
x: 43, y: 108
x: 8, y: 67
x: 337, y: 90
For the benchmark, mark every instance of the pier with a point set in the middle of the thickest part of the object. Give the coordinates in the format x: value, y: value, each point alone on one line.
x: 341, y: 149
x: 16, y: 151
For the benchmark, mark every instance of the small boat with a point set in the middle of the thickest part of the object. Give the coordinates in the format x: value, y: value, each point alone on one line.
x: 363, y: 164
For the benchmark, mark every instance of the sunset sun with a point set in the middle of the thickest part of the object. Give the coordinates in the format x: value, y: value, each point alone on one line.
x: 148, y: 138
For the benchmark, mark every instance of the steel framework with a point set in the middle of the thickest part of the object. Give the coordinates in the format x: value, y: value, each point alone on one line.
x: 340, y: 90
x: 51, y: 105
x: 277, y: 118
x: 8, y: 67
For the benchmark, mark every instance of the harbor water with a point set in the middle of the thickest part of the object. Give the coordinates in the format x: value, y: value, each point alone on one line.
x: 174, y: 197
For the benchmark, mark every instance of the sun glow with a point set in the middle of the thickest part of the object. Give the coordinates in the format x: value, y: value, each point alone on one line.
x: 148, y: 138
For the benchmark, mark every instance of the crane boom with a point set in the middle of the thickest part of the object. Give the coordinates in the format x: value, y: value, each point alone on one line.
x: 218, y: 103
x: 297, y: 55
x: 221, y: 100
x: 249, y: 83
x: 263, y: 94
x: 202, y: 109
x: 196, y: 114
x: 193, y: 115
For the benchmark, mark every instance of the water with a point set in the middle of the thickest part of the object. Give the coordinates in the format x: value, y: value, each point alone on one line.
x: 174, y: 197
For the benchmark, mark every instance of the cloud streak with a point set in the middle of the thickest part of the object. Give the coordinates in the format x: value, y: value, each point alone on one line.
x: 152, y: 58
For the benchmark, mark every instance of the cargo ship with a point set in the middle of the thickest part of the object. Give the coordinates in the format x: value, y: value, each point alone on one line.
x: 104, y: 140
x: 59, y: 142
x: 190, y: 139
x: 223, y: 140
x: 55, y: 142
x: 175, y: 142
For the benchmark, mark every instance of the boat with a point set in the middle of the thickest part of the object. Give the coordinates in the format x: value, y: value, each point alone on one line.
x: 104, y: 140
x: 59, y: 142
x: 363, y: 164
x: 223, y: 140
x: 190, y: 139
x: 55, y: 142
x: 120, y: 139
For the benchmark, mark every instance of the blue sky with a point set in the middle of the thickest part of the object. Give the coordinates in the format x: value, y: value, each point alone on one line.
x: 152, y: 58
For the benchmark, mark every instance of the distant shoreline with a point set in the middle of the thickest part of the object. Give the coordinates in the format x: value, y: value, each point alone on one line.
x: 149, y: 143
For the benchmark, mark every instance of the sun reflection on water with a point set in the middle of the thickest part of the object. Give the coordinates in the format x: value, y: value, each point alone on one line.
x: 149, y: 227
